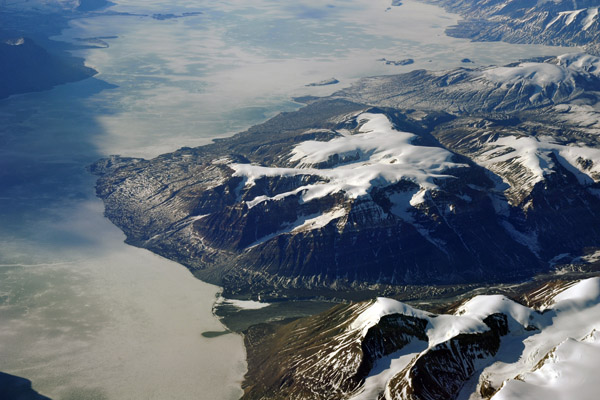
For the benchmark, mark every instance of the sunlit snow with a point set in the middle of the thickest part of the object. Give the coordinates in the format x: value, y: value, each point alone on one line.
x: 378, y: 155
x: 551, y: 354
x: 543, y: 74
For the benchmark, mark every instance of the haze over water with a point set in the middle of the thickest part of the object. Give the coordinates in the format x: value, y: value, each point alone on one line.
x: 85, y: 316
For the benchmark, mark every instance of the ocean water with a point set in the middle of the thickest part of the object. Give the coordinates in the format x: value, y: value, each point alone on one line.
x: 85, y: 316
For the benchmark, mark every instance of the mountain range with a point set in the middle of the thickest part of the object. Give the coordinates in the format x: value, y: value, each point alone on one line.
x: 456, y: 177
x: 551, y: 22
x: 487, y: 347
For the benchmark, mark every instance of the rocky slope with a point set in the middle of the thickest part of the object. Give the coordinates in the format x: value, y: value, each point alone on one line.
x: 556, y: 22
x: 490, y: 347
x: 470, y: 175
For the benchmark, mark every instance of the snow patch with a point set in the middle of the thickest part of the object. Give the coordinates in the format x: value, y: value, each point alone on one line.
x: 320, y: 221
x: 15, y: 42
x: 592, y: 13
x: 555, y: 361
x: 386, y: 368
x: 304, y: 222
x: 584, y: 292
x: 534, y: 154
x: 563, y: 73
x: 519, y: 316
x: 567, y: 16
x: 245, y: 304
x: 580, y: 63
x: 581, y: 115
x: 539, y: 74
x: 445, y: 327
x: 380, y: 308
x: 570, y: 371
x: 571, y: 15
x: 378, y: 155
x: 590, y: 258
x: 529, y: 239
x: 440, y: 328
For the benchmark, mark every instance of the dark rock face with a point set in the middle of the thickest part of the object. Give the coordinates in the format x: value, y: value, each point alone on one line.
x: 559, y: 23
x: 320, y: 357
x: 327, y: 357
x: 441, y: 371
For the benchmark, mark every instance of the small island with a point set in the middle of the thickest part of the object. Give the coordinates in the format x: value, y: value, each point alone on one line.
x: 406, y: 61
x: 162, y: 17
x: 330, y: 81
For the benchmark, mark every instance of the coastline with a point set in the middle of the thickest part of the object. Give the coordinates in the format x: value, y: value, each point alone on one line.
x: 122, y: 308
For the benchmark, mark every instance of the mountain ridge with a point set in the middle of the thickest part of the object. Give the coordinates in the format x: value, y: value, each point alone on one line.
x: 490, y: 346
x: 327, y: 197
x: 555, y: 22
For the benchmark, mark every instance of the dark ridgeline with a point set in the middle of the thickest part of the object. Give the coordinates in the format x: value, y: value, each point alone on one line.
x: 27, y: 67
x: 16, y: 388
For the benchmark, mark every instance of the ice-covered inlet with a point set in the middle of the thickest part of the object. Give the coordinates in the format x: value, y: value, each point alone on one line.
x: 377, y: 155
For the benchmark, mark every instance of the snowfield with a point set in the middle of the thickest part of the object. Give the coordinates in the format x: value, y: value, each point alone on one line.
x: 552, y: 353
x: 378, y: 155
x: 537, y: 155
x: 565, y: 72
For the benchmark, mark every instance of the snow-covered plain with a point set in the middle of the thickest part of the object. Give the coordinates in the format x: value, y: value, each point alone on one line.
x: 551, y: 353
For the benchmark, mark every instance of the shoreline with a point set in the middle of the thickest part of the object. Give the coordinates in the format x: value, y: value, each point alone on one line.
x: 43, y: 380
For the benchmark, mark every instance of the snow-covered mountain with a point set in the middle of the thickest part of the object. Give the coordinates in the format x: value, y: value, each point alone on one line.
x: 553, y: 22
x: 567, y: 79
x: 469, y: 175
x: 489, y: 347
